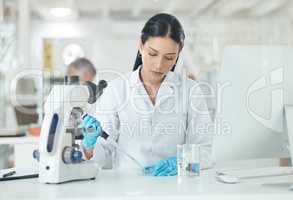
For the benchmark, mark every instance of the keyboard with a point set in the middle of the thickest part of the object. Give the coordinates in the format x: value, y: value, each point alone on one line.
x: 257, y: 172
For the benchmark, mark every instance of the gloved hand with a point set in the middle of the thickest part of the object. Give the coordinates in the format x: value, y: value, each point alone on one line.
x: 91, y: 131
x: 166, y: 167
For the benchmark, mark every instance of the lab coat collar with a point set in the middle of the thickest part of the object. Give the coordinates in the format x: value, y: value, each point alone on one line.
x: 169, y: 82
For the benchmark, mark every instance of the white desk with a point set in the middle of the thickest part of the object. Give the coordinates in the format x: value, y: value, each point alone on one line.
x: 112, y: 184
x: 19, y: 140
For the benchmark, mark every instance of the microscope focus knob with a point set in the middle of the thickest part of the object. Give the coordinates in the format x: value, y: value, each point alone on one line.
x: 76, y: 156
x: 71, y: 155
x: 36, y: 154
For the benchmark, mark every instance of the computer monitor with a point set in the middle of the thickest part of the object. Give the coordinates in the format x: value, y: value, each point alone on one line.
x: 19, y: 106
x: 289, y: 127
x: 27, y: 100
x: 254, y: 86
x: 288, y: 101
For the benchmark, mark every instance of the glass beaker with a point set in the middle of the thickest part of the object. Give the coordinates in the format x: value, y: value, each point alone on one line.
x: 188, y: 160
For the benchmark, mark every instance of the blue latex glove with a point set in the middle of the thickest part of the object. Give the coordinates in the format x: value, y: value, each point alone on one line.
x: 90, y: 138
x: 166, y: 167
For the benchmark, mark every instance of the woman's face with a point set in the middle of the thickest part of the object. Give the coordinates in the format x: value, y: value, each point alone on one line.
x: 159, y: 54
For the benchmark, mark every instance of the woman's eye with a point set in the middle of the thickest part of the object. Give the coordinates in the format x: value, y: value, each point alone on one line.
x: 152, y: 54
x: 169, y: 58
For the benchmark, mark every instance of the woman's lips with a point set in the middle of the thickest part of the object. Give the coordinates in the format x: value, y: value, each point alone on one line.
x: 157, y: 73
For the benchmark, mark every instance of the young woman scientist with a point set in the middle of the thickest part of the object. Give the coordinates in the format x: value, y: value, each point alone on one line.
x: 151, y: 109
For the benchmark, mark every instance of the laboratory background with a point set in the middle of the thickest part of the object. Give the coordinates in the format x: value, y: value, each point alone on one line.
x: 241, y: 51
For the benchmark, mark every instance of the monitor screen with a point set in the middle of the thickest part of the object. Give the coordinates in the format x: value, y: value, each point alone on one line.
x: 255, y: 86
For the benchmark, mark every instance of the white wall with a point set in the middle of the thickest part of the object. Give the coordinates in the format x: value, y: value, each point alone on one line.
x: 110, y: 45
x: 113, y: 44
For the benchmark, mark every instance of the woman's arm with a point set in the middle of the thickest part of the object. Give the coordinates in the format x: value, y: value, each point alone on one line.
x: 106, y: 114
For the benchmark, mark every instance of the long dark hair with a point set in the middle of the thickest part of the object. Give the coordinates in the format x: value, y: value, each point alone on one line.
x: 161, y: 25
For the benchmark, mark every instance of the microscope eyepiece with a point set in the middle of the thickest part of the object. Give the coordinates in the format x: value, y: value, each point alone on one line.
x: 71, y: 80
x: 95, y: 90
x: 102, y: 84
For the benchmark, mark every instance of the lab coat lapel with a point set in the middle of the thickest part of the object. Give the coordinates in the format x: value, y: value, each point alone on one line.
x: 140, y: 97
x: 166, y: 96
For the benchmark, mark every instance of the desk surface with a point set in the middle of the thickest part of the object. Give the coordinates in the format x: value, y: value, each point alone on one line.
x: 116, y: 185
x: 19, y: 140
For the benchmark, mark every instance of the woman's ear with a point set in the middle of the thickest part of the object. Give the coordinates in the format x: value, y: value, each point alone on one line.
x: 140, y: 46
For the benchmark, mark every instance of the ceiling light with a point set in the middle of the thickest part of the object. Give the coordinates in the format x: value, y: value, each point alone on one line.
x: 61, y: 12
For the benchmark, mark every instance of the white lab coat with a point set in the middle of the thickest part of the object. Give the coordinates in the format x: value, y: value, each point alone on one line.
x: 151, y: 132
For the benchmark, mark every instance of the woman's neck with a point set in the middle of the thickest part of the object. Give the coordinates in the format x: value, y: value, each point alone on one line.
x: 152, y: 87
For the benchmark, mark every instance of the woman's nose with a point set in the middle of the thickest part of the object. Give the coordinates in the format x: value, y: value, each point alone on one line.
x: 159, y: 65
